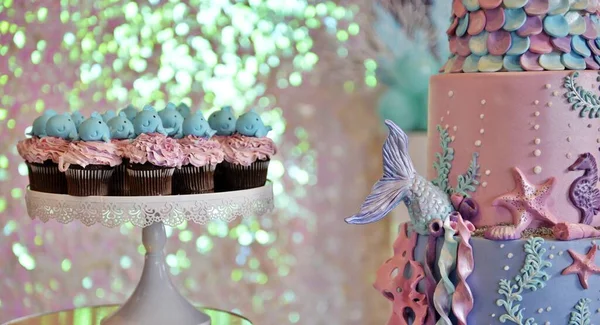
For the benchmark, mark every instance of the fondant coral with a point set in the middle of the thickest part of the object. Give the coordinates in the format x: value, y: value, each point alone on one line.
x: 398, y: 278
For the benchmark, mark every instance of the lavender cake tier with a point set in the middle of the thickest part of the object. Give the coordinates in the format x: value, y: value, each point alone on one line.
x: 537, y: 131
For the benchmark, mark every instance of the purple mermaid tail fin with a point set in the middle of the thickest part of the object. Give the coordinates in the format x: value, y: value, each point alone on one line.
x: 394, y: 186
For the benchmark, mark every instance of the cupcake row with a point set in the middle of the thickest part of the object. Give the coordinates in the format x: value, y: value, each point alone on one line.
x: 147, y: 152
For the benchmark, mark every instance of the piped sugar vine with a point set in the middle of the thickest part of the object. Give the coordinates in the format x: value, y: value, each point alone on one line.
x: 532, y: 277
x: 581, y: 315
x: 467, y: 182
x: 581, y: 99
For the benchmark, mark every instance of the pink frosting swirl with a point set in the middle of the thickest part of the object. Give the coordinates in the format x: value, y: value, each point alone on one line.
x: 121, y: 146
x: 156, y: 149
x: 245, y: 150
x: 38, y: 150
x: 85, y: 153
x: 200, y: 152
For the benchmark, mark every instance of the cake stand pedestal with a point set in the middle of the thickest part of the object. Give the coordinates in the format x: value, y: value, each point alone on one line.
x: 155, y: 299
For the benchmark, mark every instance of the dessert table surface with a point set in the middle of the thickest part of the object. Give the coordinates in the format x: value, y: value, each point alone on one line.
x: 94, y: 315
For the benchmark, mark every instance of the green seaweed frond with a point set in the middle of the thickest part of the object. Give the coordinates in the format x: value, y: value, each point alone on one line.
x: 468, y: 182
x: 581, y: 315
x: 443, y: 162
x: 581, y: 99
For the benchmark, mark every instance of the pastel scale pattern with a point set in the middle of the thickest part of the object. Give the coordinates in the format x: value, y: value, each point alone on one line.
x: 523, y: 35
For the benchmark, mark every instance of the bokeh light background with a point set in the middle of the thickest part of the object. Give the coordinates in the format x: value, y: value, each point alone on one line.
x: 306, y: 65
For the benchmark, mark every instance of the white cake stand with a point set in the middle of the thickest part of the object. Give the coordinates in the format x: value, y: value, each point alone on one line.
x: 155, y: 299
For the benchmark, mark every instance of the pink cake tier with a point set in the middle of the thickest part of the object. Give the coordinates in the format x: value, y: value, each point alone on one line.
x: 516, y: 120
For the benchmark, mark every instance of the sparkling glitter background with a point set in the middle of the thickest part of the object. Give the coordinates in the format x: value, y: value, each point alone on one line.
x: 305, y: 64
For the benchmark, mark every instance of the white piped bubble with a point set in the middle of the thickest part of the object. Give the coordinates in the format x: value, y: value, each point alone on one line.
x: 447, y: 112
x: 537, y: 113
x: 452, y: 138
x: 568, y: 139
x: 446, y: 127
x: 482, y: 131
x: 537, y: 140
x: 510, y: 255
x: 541, y: 310
x: 536, y: 102
x: 536, y: 127
x: 442, y: 119
x: 450, y: 93
x: 484, y: 184
x: 501, y: 245
x: 481, y: 116
x: 549, y: 308
x: 455, y: 128
x: 506, y: 268
x: 537, y: 152
x: 555, y: 93
x: 548, y: 86
x: 537, y: 169
x: 493, y: 315
x: 488, y: 172
x: 560, y: 253
x: 483, y: 102
x: 569, y: 155
x: 552, y: 247
x: 547, y: 323
x: 551, y: 256
x: 549, y: 104
x: 477, y: 143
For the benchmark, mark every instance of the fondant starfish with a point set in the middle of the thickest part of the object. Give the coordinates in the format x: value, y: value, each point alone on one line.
x: 526, y: 202
x: 583, y: 265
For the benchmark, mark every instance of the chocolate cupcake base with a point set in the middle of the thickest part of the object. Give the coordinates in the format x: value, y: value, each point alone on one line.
x: 194, y: 180
x: 92, y: 180
x: 118, y: 183
x: 149, y: 180
x: 46, y: 177
x: 234, y: 177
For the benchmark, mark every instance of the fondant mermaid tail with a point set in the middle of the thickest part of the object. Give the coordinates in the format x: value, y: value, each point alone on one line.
x: 394, y: 186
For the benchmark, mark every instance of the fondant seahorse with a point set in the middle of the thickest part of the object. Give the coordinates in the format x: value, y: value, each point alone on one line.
x: 401, y: 183
x: 583, y: 192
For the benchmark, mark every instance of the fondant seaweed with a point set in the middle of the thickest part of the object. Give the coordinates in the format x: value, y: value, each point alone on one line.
x: 583, y: 100
x: 467, y: 182
x: 443, y: 162
x: 581, y: 315
x: 532, y: 277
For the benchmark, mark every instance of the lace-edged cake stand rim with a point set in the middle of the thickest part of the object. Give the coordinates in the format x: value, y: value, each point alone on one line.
x: 142, y: 211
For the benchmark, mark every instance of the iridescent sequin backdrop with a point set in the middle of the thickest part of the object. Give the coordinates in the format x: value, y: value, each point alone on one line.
x: 306, y: 65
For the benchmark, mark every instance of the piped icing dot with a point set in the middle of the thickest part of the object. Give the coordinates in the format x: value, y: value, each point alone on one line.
x: 560, y: 253
x: 598, y: 140
x: 547, y: 323
x: 537, y: 169
x: 446, y: 127
x: 442, y: 119
x: 537, y: 113
x: 481, y: 116
x: 551, y: 256
x: 501, y: 245
x: 450, y: 93
x: 484, y: 184
x: 536, y: 127
x: 541, y: 310
x: 455, y: 128
x: 488, y: 172
x: 452, y: 138
x: 536, y: 102
x: 568, y: 139
x: 483, y: 102
x: 598, y: 310
x: 447, y: 112
x: 555, y: 93
x: 506, y: 268
x: 549, y: 308
x: 481, y: 131
x: 537, y: 152
x: 477, y: 143
x: 548, y: 86
x: 537, y: 141
x: 569, y: 155
x: 510, y: 255
x: 552, y: 247
x: 493, y: 315
x: 549, y: 104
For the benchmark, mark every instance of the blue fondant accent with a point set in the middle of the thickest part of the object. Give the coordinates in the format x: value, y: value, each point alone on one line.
x: 106, y: 116
x: 94, y: 129
x: 250, y: 124
x: 184, y: 110
x: 556, y: 26
x: 463, y: 24
x: 515, y: 18
x: 172, y: 121
x: 580, y: 46
x: 471, y: 63
x: 512, y: 63
x: 77, y: 118
x: 130, y: 111
x: 39, y: 124
x: 61, y: 126
x: 223, y: 121
x: 519, y: 45
x: 554, y: 303
x: 573, y: 61
x: 121, y: 127
x: 196, y: 125
x: 148, y: 121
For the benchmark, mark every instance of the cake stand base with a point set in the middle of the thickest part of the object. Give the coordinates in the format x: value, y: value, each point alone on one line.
x: 155, y: 300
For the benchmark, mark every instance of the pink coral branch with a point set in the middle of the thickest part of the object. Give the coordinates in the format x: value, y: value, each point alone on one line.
x: 462, y: 301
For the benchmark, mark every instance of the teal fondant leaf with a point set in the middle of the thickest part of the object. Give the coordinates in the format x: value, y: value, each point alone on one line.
x: 582, y: 100
x: 581, y: 315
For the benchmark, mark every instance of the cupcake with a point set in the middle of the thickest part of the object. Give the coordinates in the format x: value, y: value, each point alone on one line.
x: 200, y: 157
x: 88, y: 163
x: 223, y: 122
x: 121, y: 134
x: 42, y: 152
x: 247, y: 154
x: 153, y: 156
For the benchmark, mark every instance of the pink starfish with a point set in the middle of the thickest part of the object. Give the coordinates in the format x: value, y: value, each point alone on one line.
x: 526, y: 202
x: 583, y: 265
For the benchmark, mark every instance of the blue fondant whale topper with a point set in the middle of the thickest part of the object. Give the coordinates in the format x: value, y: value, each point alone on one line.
x: 223, y: 121
x: 94, y: 129
x: 108, y: 115
x: 184, y: 110
x: 172, y: 121
x: 62, y: 126
x: 196, y: 125
x: 148, y: 121
x: 397, y: 185
x: 77, y: 118
x: 130, y: 111
x: 38, y: 128
x: 120, y: 127
x: 250, y: 124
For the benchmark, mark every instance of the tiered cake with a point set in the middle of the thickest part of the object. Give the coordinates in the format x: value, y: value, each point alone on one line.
x: 503, y: 227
